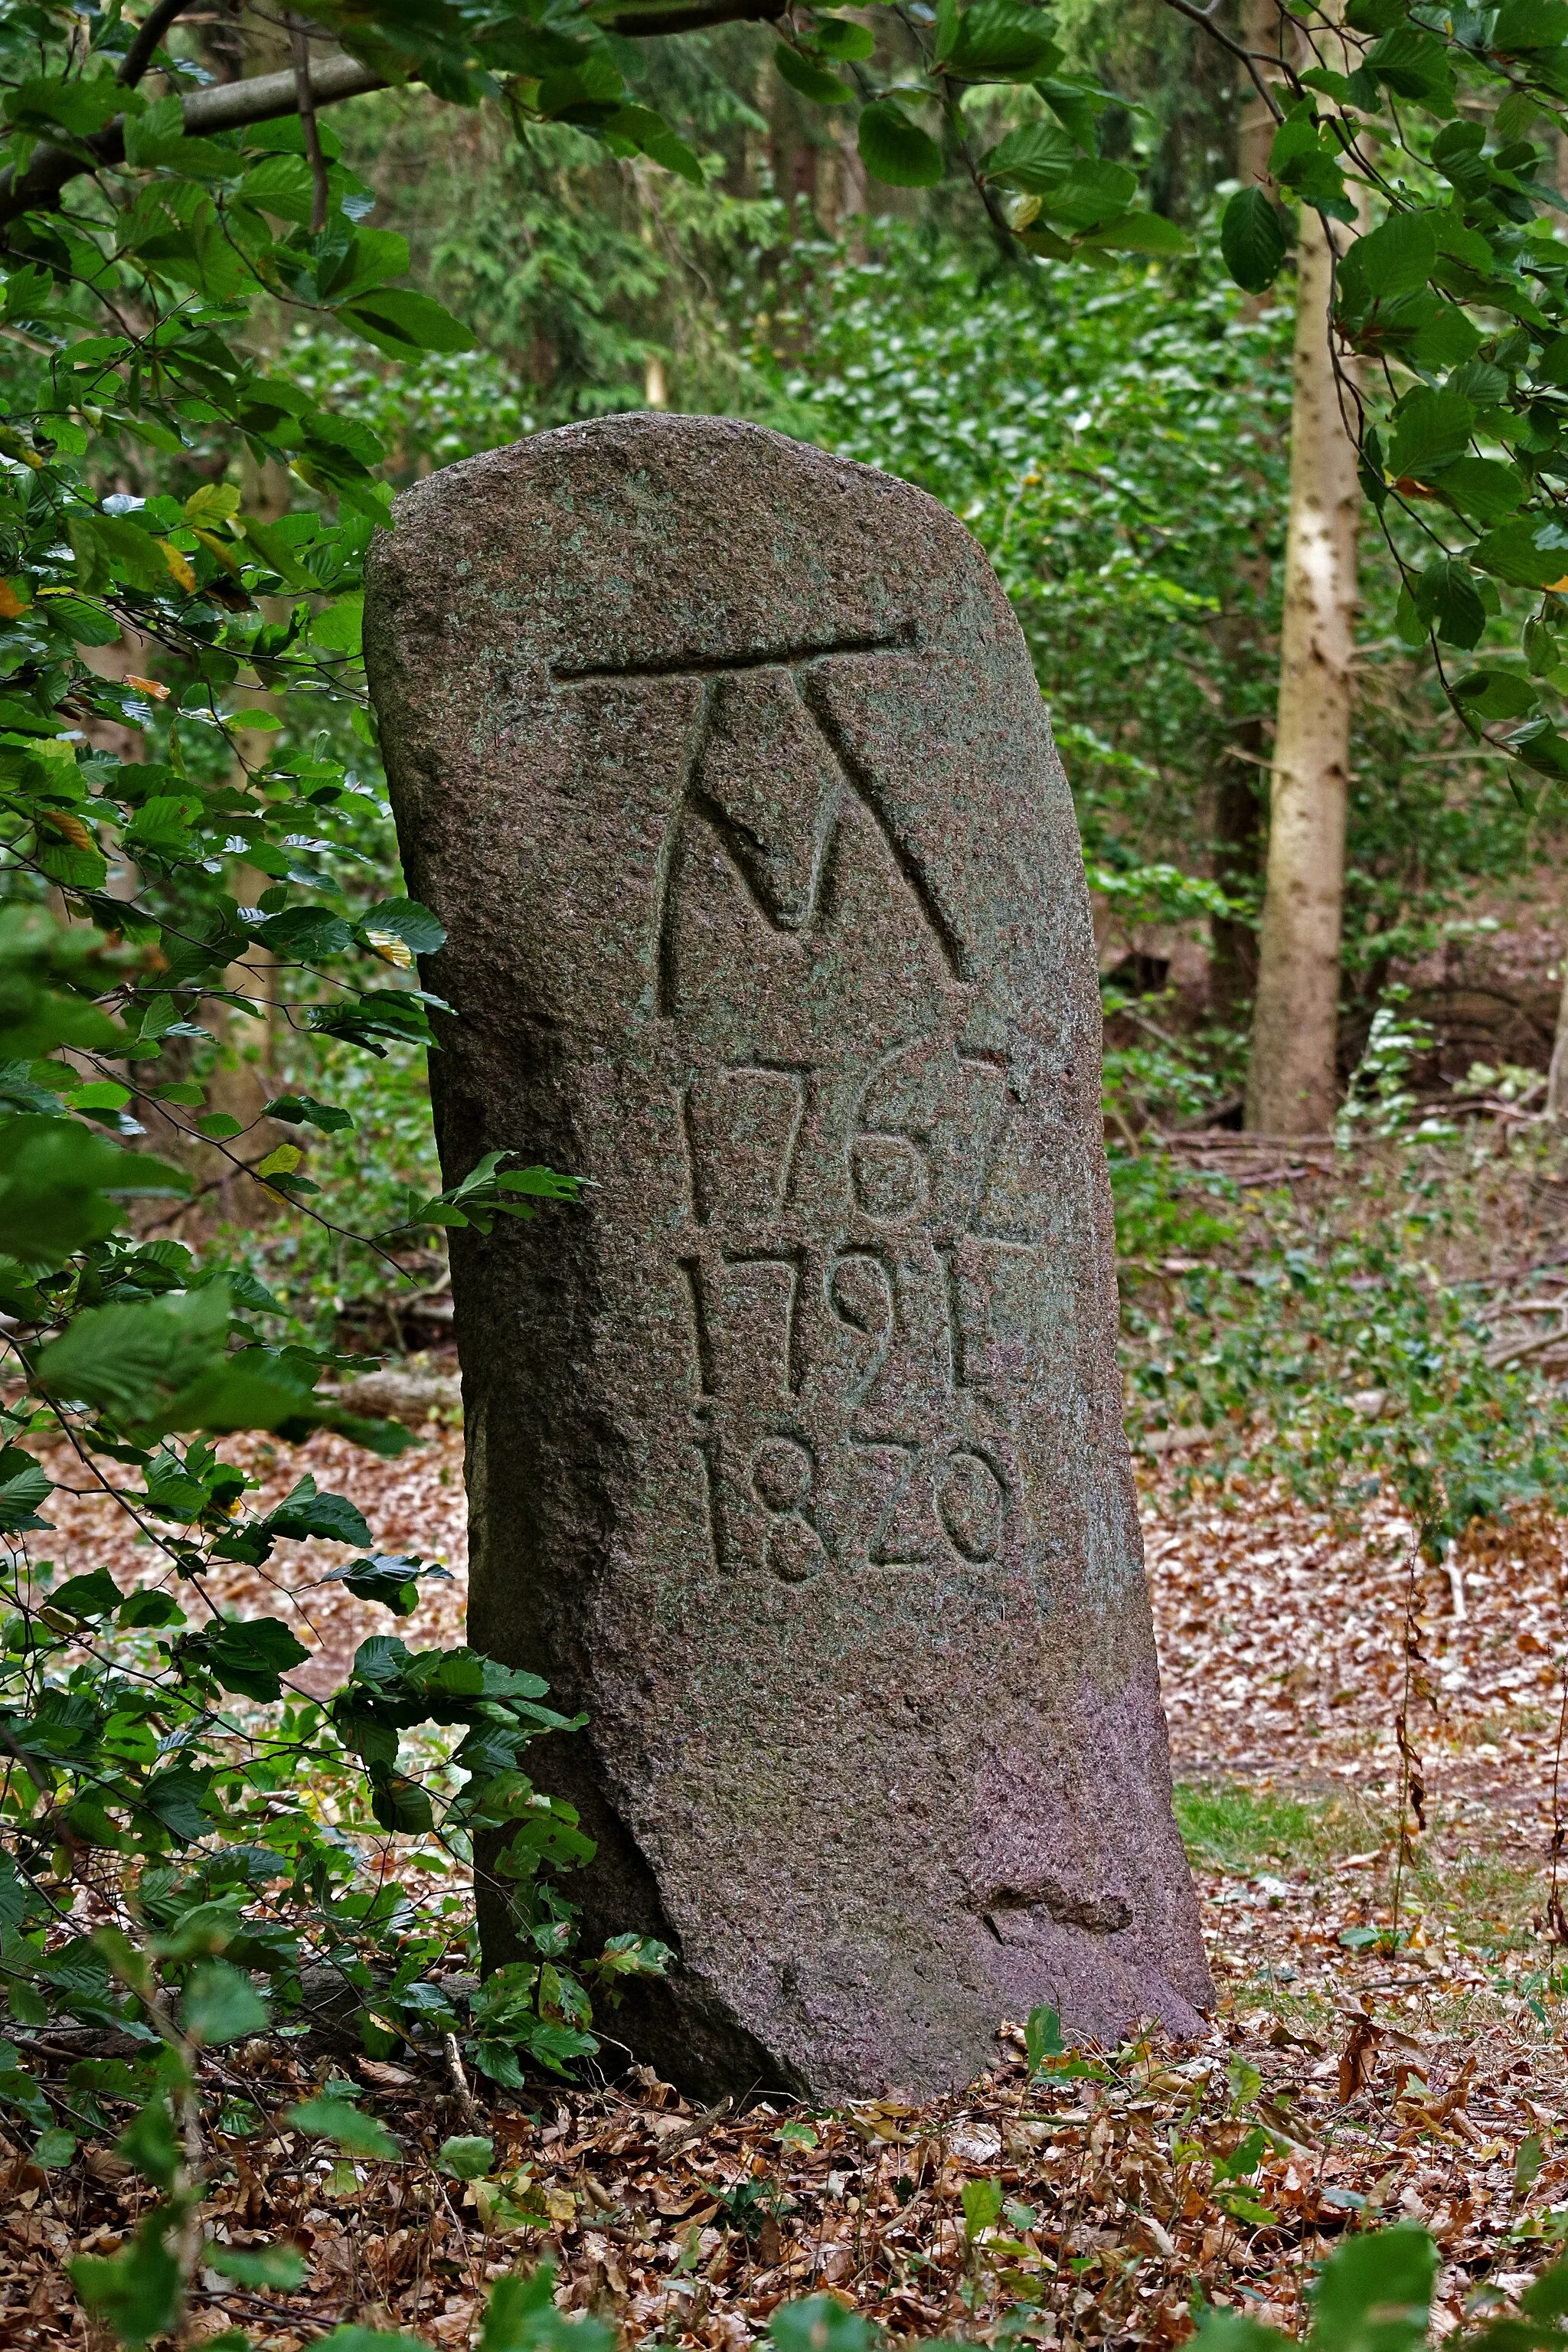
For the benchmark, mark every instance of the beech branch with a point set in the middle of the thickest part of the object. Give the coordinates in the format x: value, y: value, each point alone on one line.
x: 228, y: 106
x: 299, y: 40
x: 144, y: 47
x: 693, y: 17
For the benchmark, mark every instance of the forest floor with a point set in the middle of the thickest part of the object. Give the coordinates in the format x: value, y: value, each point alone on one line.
x: 1356, y: 2068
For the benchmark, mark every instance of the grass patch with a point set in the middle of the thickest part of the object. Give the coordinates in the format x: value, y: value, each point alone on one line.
x: 1482, y: 1899
x: 1228, y: 1825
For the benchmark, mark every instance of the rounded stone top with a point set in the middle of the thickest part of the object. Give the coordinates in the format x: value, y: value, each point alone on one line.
x: 651, y: 539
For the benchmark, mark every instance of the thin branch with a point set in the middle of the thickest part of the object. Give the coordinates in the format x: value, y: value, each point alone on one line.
x: 647, y: 23
x: 149, y: 41
x: 1200, y: 16
x: 299, y: 40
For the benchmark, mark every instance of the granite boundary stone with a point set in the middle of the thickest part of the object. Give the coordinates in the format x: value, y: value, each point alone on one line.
x: 795, y: 1455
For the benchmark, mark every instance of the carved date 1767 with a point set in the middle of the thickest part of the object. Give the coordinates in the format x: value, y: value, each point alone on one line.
x: 795, y: 1455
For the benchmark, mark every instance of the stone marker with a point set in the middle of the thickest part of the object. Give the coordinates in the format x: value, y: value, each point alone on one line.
x: 795, y: 1456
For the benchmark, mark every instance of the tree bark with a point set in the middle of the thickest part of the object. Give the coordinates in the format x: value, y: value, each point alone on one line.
x: 1292, y: 1086
x: 1237, y: 842
x: 1557, y: 1079
x: 1255, y: 124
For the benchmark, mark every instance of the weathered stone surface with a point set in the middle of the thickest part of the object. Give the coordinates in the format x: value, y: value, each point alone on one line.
x: 796, y: 1456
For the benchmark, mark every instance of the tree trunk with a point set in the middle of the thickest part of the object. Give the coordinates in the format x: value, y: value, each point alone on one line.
x: 1557, y: 1082
x: 1254, y: 123
x: 1237, y: 848
x: 1291, y: 1086
x: 1238, y: 817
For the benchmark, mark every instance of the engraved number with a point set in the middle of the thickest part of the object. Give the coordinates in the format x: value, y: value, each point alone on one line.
x: 740, y: 1129
x: 782, y: 1475
x: 971, y: 1503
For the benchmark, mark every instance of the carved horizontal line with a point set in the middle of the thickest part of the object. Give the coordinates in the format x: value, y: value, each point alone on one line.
x: 710, y: 665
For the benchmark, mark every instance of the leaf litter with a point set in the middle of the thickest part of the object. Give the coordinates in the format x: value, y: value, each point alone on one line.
x: 1359, y: 2065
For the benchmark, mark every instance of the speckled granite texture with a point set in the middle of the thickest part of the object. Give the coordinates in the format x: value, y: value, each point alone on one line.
x: 795, y: 1455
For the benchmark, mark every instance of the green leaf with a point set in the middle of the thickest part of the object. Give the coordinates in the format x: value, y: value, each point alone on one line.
x: 1432, y: 430
x: 341, y: 628
x: 109, y: 549
x: 1398, y: 257
x: 1042, y: 2038
x: 1529, y: 554
x: 283, y: 2268
x: 221, y: 2005
x: 1496, y: 694
x: 1414, y: 65
x: 1483, y: 489
x: 639, y: 129
x: 1037, y: 157
x: 982, y: 2201
x: 399, y: 323
x: 151, y: 2145
x: 125, y: 1357
x: 1091, y: 193
x: 283, y: 185
x: 137, y: 2292
x: 835, y: 36
x: 402, y: 1806
x: 407, y: 921
x: 1547, y: 2296
x: 997, y: 40
x: 304, y: 1512
x: 1138, y: 233
x: 164, y: 823
x: 823, y: 89
x: 60, y: 1186
x: 354, y: 2337
x: 819, y: 2322
x: 1540, y: 746
x: 1375, y: 2293
x: 521, y: 2317
x: 53, y: 2150
x: 151, y: 1609
x: 72, y: 103
x: 20, y: 1496
x: 303, y: 1110
x: 99, y: 1094
x: 248, y: 1655
x: 96, y: 1595
x: 894, y: 150
x: 386, y: 1578
x: 271, y: 548
x: 1523, y: 25
x: 1252, y: 239
x: 466, y: 2160
x: 306, y: 933
x: 335, y: 2119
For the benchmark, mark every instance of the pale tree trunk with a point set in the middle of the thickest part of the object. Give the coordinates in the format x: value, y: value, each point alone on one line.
x: 1557, y: 1082
x: 1255, y: 127
x: 1238, y: 816
x: 1291, y: 1087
